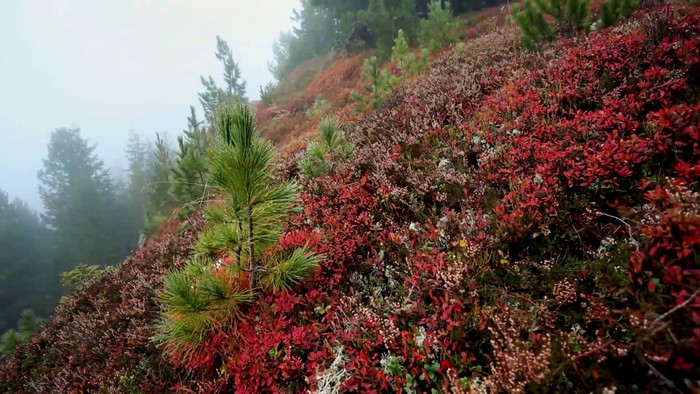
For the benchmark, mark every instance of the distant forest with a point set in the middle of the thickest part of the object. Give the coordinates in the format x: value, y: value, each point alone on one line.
x: 89, y: 218
x: 324, y: 25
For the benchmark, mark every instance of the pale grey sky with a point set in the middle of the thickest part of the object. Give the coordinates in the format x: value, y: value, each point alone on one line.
x: 113, y: 66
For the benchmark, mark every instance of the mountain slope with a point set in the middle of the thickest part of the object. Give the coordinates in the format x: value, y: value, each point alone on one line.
x: 510, y: 221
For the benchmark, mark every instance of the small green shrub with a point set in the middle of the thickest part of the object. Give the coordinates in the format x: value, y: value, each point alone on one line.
x: 75, y: 279
x: 321, y: 154
x: 319, y: 108
x: 28, y: 324
x: 266, y: 93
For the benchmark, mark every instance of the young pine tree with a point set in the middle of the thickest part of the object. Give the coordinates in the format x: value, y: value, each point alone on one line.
x: 616, y: 10
x: 28, y: 324
x: 319, y: 108
x: 267, y: 93
x: 533, y: 25
x: 242, y: 168
x: 402, y: 55
x: 378, y: 85
x: 321, y: 154
x: 571, y: 16
x: 207, y: 294
x: 435, y: 32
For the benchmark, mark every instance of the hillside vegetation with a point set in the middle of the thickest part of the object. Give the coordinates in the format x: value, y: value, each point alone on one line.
x: 509, y: 221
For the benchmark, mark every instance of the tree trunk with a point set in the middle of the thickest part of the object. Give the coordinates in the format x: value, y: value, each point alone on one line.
x: 251, y: 249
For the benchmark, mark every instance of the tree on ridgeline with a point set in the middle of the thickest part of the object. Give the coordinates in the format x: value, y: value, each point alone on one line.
x: 234, y: 90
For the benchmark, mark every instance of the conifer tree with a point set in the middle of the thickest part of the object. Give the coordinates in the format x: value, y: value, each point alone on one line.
x: 266, y: 93
x: 188, y: 178
x: 319, y: 108
x: 205, y: 293
x: 28, y: 324
x: 531, y: 21
x: 242, y: 168
x: 235, y: 87
x: 435, y: 32
x: 160, y: 202
x: 26, y: 262
x: 138, y: 154
x: 81, y: 204
x: 571, y: 16
x: 402, y: 55
x: 378, y: 85
x: 234, y: 92
x: 321, y: 154
x: 616, y: 10
x: 383, y: 18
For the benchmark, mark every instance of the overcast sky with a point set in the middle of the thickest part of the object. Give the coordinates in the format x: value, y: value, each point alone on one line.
x: 115, y: 66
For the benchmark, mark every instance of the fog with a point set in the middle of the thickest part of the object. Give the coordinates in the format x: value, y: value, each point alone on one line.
x: 112, y: 67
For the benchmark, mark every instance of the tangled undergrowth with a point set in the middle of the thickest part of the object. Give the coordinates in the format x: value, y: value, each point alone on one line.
x: 510, y: 222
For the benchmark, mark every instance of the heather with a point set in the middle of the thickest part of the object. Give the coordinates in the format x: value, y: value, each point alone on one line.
x: 508, y: 221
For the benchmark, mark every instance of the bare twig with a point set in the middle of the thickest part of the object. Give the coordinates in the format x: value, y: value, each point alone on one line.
x: 660, y: 375
x: 677, y: 307
x: 629, y: 228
